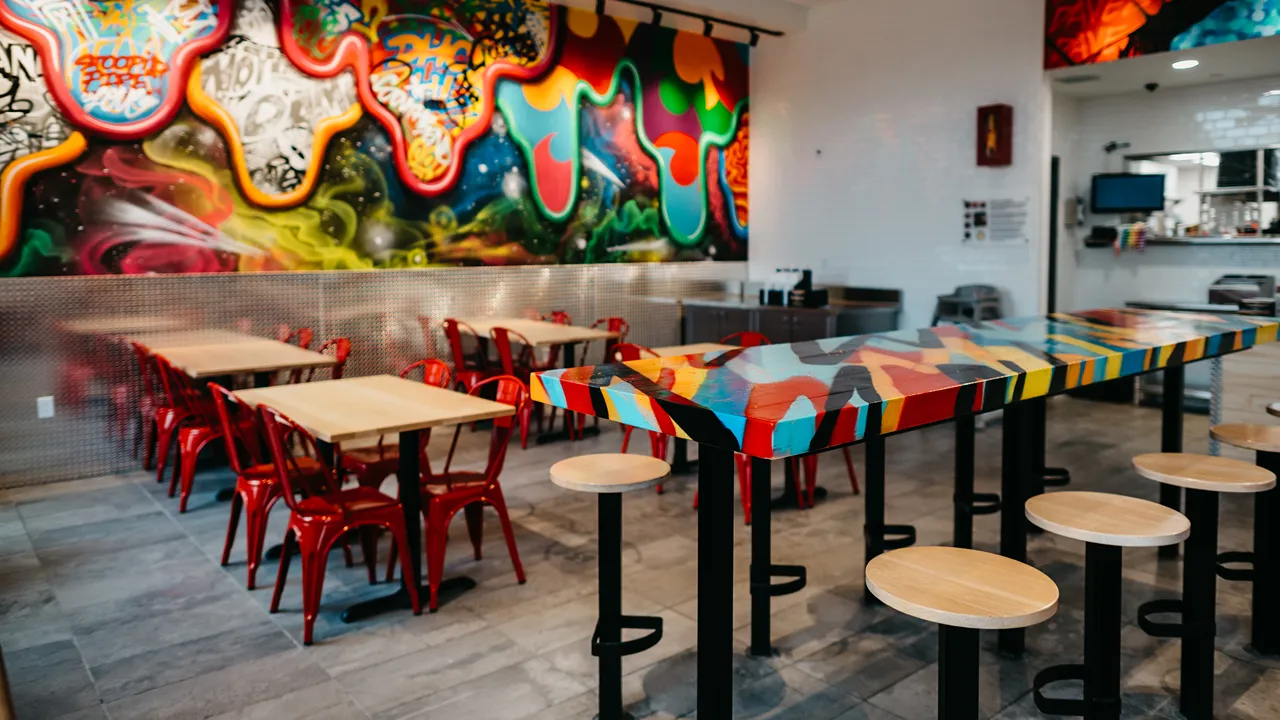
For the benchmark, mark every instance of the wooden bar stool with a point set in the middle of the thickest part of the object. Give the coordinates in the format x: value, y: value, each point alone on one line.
x: 610, y: 475
x: 1265, y: 558
x: 963, y: 591
x: 1107, y: 524
x: 1203, y: 477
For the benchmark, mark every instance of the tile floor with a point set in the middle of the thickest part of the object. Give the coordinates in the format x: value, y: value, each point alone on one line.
x: 113, y: 606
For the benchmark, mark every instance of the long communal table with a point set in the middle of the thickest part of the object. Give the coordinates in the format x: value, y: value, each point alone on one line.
x: 780, y: 401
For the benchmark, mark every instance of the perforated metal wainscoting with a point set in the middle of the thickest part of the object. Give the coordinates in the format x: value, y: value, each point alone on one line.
x: 379, y: 311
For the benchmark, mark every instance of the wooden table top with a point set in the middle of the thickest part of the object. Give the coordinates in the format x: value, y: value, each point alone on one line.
x: 779, y: 401
x: 121, y: 324
x: 692, y: 349
x: 162, y: 341
x: 540, y: 333
x: 1107, y: 519
x: 340, y: 410
x: 1204, y: 472
x: 238, y: 358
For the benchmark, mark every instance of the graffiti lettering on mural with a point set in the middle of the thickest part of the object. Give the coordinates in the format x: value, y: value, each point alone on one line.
x: 28, y: 122
x: 429, y: 74
x: 276, y: 111
x: 358, y: 134
x: 1078, y: 32
x: 124, y: 63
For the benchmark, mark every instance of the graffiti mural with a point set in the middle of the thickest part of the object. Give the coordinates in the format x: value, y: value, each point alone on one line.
x: 1079, y: 32
x: 359, y: 134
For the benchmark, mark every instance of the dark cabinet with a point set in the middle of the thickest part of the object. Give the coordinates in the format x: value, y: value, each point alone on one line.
x: 776, y: 324
x: 707, y: 323
x: 810, y: 325
x: 710, y: 323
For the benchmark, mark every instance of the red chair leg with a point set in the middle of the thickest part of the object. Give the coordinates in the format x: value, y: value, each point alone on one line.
x: 437, y: 541
x: 399, y: 536
x: 794, y: 464
x: 525, y: 415
x: 369, y: 548
x: 313, y: 566
x: 810, y: 476
x: 392, y: 558
x: 255, y: 528
x: 499, y: 503
x: 744, y: 486
x: 475, y: 525
x: 237, y: 503
x: 164, y: 440
x: 853, y: 474
x: 282, y: 574
x: 626, y: 438
x: 192, y: 444
x: 148, y: 435
x: 346, y: 553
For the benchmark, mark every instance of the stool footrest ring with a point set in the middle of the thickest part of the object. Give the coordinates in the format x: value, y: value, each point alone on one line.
x: 1235, y: 574
x: 985, y: 504
x: 799, y: 578
x: 1056, y: 476
x: 1159, y: 629
x: 906, y: 536
x: 629, y: 647
x: 1059, y: 706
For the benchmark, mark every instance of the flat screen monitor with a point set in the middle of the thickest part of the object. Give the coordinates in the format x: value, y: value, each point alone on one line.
x: 1127, y: 193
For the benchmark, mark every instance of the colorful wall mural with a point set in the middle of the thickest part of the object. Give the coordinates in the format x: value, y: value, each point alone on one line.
x: 1079, y: 32
x: 167, y: 136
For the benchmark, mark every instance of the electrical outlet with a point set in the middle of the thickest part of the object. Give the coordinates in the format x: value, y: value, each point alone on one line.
x: 44, y: 407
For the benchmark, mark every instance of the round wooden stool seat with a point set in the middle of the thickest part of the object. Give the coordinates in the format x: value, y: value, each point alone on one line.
x: 609, y: 473
x: 1204, y: 472
x: 1263, y: 438
x: 962, y: 588
x: 1274, y: 409
x: 1106, y: 519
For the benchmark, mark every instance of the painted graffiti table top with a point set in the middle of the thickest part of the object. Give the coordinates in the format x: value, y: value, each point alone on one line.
x: 781, y: 400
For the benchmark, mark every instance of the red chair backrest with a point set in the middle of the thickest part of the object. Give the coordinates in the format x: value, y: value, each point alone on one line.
x: 614, y: 324
x: 626, y: 352
x: 559, y: 317
x: 340, y: 349
x: 462, y: 361
x: 434, y: 372
x: 745, y: 339
x: 283, y: 434
x: 234, y: 417
x: 152, y: 385
x: 502, y: 338
x: 301, y: 335
x: 182, y: 393
x: 508, y: 390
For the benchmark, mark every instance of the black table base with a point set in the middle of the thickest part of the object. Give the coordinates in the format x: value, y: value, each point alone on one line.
x: 1017, y: 465
x: 715, y: 583
x: 1171, y: 439
x: 763, y: 571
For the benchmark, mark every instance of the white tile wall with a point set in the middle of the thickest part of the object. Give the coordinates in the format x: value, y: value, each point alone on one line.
x: 863, y: 146
x: 1208, y: 117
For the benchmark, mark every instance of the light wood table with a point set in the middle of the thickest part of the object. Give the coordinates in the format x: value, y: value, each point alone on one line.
x: 335, y: 411
x: 692, y: 349
x: 258, y: 356
x: 163, y: 341
x: 121, y: 324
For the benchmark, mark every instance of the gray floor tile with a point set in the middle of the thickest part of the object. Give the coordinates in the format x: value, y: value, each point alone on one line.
x: 48, y: 681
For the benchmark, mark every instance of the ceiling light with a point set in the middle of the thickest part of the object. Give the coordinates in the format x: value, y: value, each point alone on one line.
x: 1185, y: 64
x: 1271, y: 93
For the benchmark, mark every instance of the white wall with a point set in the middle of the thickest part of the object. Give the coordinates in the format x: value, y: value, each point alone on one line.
x: 863, y: 146
x: 1218, y: 117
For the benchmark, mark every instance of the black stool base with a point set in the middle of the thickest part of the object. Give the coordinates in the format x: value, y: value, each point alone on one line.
x: 957, y: 673
x: 1058, y: 706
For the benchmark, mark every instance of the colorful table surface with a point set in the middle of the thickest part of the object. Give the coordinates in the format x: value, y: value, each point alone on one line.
x: 778, y: 401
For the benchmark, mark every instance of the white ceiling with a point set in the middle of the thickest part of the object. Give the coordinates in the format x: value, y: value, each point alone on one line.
x: 1218, y: 63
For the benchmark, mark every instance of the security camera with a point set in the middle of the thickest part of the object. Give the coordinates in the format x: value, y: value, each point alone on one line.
x: 1152, y: 87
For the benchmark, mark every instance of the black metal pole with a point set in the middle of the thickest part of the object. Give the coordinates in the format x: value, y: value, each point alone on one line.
x: 1102, y: 570
x: 957, y: 673
x: 1199, y: 594
x: 1014, y: 472
x: 1037, y: 432
x: 715, y: 583
x: 609, y: 624
x: 962, y: 532
x: 761, y: 557
x: 873, y: 530
x: 1266, y: 563
x: 1171, y: 438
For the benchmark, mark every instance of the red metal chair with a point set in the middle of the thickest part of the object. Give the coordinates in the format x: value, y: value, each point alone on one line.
x: 157, y: 415
x: 257, y: 488
x: 745, y: 339
x: 300, y: 337
x: 318, y: 521
x: 196, y: 424
x: 454, y: 490
x: 518, y: 364
x: 340, y: 348
x: 469, y: 369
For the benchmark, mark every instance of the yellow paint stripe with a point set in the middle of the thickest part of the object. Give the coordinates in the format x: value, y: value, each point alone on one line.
x: 14, y: 179
x: 1036, y: 383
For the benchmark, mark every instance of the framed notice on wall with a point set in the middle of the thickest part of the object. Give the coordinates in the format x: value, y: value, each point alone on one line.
x: 995, y: 135
x: 995, y: 222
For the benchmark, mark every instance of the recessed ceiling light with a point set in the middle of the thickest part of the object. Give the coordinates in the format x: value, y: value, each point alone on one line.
x: 1271, y: 93
x: 1185, y: 64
